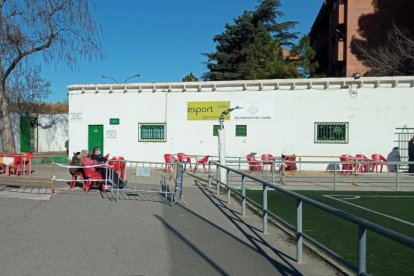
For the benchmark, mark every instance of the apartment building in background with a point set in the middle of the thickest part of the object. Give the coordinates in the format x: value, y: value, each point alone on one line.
x: 341, y: 24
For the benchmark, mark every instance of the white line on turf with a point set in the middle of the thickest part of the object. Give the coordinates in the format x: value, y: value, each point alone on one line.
x: 369, y: 210
x: 345, y: 197
x: 358, y: 197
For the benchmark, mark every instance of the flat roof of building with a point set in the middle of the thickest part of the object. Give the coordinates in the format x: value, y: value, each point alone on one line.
x: 242, y: 85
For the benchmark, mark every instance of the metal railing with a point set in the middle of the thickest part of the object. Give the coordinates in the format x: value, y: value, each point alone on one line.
x: 331, y: 172
x: 363, y: 225
x: 142, y: 177
x: 28, y: 173
x: 126, y: 179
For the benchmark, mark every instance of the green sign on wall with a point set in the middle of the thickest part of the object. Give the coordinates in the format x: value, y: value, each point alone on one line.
x: 114, y: 121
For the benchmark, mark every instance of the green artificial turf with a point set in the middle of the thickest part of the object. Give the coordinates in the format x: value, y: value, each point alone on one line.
x: 384, y: 256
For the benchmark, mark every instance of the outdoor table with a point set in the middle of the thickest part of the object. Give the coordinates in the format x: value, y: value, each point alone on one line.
x: 7, y: 161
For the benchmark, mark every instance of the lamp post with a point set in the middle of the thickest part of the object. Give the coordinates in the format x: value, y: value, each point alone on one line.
x: 221, y: 142
x: 133, y: 76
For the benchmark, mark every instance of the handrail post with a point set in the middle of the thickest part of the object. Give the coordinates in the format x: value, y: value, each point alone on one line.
x: 299, y: 241
x: 239, y: 163
x: 334, y: 176
x: 273, y: 171
x: 397, y: 177
x: 209, y: 175
x: 243, y: 195
x: 362, y: 250
x: 228, y: 186
x: 265, y: 214
x: 217, y: 179
x: 356, y: 172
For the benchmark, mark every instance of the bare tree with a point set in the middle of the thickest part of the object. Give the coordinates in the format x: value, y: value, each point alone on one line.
x: 26, y: 89
x: 59, y: 29
x: 394, y: 57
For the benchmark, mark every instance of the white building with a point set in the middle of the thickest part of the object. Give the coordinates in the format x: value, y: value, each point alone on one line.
x: 309, y: 117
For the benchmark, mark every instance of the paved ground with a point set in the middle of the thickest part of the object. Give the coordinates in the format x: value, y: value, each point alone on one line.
x: 87, y: 234
x: 75, y: 233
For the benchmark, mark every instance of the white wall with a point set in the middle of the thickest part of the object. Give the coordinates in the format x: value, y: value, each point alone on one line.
x: 53, y: 132
x: 373, y: 116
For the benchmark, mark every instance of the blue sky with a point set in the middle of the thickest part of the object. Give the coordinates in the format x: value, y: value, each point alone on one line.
x: 163, y: 40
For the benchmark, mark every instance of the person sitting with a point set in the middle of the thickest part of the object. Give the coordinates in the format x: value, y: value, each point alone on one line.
x: 97, y: 157
x: 86, y: 160
x: 393, y: 156
x: 89, y: 171
x: 76, y: 161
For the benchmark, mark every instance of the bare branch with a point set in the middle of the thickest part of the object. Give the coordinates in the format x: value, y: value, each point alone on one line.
x: 60, y: 29
x: 26, y: 88
x: 394, y: 57
x: 22, y: 55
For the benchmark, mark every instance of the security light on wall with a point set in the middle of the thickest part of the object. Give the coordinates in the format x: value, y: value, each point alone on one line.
x: 353, y: 87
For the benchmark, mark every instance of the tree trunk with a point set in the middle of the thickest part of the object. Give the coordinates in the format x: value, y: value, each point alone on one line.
x: 6, y: 131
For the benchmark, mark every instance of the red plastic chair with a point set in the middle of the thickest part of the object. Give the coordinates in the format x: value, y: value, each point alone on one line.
x: 114, y: 163
x: 27, y: 163
x: 363, y: 164
x: 118, y: 164
x: 290, y: 163
x: 94, y: 179
x: 378, y: 160
x: 121, y: 167
x: 17, y: 165
x: 253, y: 164
x: 347, y: 168
x: 74, y: 178
x: 182, y: 158
x: 168, y: 162
x: 268, y: 160
x: 203, y: 161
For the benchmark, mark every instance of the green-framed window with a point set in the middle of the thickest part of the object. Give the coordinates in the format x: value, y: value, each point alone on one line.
x: 152, y: 132
x: 331, y: 132
x: 215, y: 130
x: 241, y: 130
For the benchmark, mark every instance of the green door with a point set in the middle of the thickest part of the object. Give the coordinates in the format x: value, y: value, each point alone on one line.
x: 95, y: 137
x: 25, y: 134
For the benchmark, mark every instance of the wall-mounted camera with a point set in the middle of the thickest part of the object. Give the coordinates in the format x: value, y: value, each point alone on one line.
x: 356, y: 76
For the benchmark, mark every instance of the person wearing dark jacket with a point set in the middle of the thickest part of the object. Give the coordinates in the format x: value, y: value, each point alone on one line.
x: 76, y: 161
x: 411, y: 155
x: 96, y: 155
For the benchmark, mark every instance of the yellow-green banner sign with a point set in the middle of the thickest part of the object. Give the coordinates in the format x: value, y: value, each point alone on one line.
x: 206, y: 110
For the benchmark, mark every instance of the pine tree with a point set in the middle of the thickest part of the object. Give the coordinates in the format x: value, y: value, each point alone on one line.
x: 265, y: 61
x: 190, y: 77
x: 228, y: 62
x: 305, y: 58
